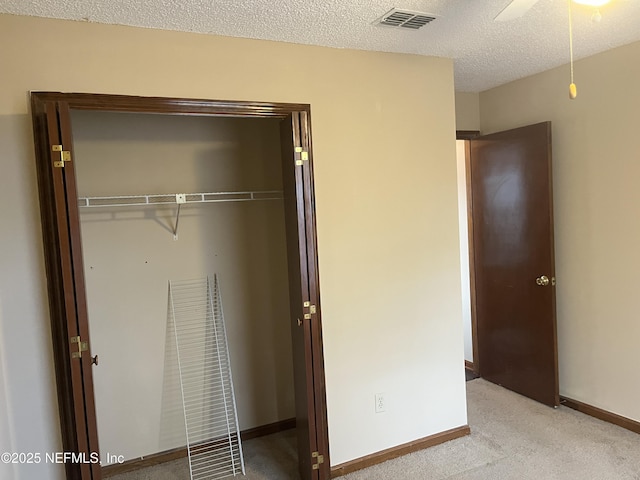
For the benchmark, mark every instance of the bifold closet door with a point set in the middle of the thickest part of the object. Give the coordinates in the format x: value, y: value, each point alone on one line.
x: 65, y: 272
x: 304, y: 308
x: 61, y: 231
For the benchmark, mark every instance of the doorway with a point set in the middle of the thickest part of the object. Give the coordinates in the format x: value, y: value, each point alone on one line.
x: 53, y: 115
x: 506, y: 203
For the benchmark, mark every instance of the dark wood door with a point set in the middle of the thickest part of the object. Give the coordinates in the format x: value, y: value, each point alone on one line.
x: 513, y: 253
x: 68, y: 301
x: 319, y: 387
x: 303, y: 307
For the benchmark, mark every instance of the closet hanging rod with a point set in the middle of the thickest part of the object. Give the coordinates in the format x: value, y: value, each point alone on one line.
x: 180, y: 198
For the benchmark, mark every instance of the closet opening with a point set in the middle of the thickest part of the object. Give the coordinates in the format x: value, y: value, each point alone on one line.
x: 137, y: 192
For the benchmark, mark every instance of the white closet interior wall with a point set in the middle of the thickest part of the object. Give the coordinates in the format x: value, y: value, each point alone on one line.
x: 130, y: 254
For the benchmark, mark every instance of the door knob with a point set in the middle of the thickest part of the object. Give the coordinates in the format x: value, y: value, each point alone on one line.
x: 543, y: 281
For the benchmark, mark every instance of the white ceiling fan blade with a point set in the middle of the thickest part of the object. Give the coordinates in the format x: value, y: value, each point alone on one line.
x: 515, y: 9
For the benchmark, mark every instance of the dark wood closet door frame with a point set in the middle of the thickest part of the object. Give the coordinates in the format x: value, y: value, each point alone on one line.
x: 62, y: 248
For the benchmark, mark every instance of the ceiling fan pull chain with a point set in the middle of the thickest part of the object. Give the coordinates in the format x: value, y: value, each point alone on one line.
x: 573, y: 92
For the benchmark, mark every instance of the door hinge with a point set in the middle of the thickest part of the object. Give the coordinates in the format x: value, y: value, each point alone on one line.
x: 301, y: 156
x: 312, y: 310
x: 65, y: 156
x: 82, y: 347
x: 318, y: 460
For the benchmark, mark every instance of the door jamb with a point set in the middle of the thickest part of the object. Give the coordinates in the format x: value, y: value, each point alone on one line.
x: 469, y: 135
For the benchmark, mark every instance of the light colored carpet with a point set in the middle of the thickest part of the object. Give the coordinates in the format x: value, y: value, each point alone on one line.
x: 265, y: 458
x: 512, y: 438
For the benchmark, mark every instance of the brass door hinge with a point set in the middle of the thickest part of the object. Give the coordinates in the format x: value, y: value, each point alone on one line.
x: 65, y: 156
x: 318, y: 460
x: 312, y: 310
x: 307, y: 315
x: 82, y: 347
x: 301, y: 156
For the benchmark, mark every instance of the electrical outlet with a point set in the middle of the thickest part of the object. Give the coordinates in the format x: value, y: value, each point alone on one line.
x: 380, y: 403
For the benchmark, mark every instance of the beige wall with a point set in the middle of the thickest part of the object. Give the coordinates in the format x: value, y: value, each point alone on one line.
x: 467, y: 111
x: 386, y: 211
x: 130, y: 255
x: 597, y: 206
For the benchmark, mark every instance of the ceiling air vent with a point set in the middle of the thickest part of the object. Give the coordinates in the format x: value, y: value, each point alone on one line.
x: 405, y: 19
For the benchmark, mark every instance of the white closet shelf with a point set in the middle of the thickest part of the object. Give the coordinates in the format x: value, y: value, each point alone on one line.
x: 178, y: 198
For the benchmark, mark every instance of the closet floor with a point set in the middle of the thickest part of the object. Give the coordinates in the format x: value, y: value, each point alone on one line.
x: 265, y: 458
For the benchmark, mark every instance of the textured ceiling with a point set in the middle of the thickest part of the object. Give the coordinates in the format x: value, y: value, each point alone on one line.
x: 486, y: 53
